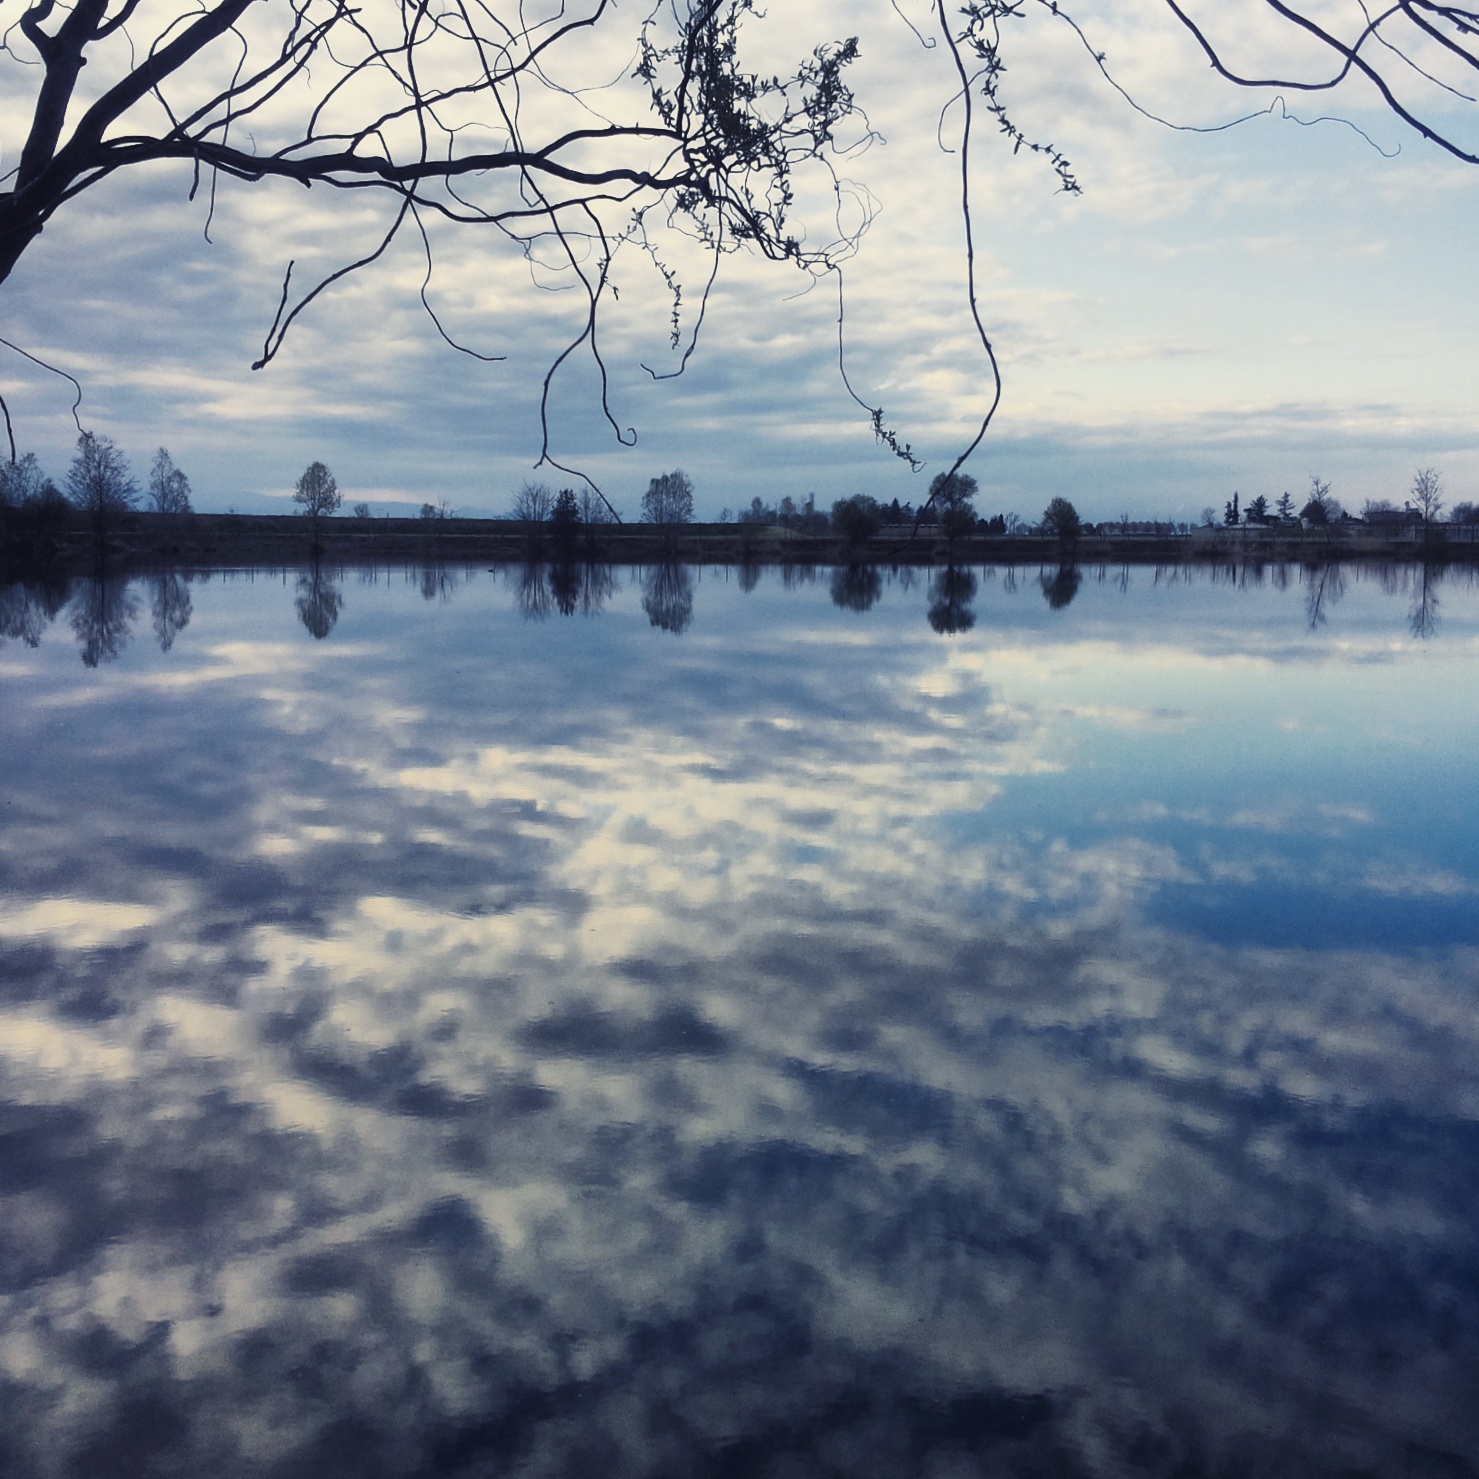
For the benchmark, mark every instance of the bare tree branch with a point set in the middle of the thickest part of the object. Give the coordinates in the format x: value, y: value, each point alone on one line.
x: 1452, y: 28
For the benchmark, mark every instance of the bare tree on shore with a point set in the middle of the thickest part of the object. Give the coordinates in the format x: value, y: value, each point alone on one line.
x: 169, y: 488
x: 99, y: 483
x: 1426, y: 497
x: 533, y: 503
x: 317, y: 494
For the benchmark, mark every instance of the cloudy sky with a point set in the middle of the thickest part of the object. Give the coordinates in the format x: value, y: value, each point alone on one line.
x: 1236, y: 310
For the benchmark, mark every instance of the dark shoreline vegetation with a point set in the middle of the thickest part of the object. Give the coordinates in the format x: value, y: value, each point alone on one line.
x: 61, y: 540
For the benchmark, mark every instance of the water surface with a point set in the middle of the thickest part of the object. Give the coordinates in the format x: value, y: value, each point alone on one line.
x: 714, y: 1022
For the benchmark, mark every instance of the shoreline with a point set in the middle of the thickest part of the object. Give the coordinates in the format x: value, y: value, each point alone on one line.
x: 146, y: 540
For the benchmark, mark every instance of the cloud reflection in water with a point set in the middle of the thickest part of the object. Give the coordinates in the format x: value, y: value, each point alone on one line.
x: 522, y: 1048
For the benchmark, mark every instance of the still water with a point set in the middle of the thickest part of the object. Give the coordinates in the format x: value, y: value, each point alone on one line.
x: 731, y: 1023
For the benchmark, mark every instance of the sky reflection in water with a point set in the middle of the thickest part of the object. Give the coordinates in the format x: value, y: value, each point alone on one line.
x: 743, y: 1032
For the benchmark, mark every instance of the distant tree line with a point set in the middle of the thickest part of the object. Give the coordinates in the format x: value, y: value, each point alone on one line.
x: 1321, y: 509
x: 537, y: 503
x: 99, y: 486
x: 950, y: 509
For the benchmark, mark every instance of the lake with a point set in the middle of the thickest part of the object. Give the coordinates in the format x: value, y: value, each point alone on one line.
x: 736, y: 1022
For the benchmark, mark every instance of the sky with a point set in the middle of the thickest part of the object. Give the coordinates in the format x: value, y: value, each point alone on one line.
x: 1239, y: 310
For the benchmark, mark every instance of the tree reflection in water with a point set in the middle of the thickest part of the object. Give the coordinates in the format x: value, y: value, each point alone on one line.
x: 319, y: 602
x: 564, y: 585
x: 667, y: 597
x: 1324, y: 585
x: 951, y: 594
x: 580, y: 588
x: 1422, y: 620
x: 28, y: 607
x: 437, y: 583
x: 170, y: 606
x: 856, y: 587
x: 567, y: 587
x: 531, y: 590
x: 103, y: 612
x: 1060, y: 588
